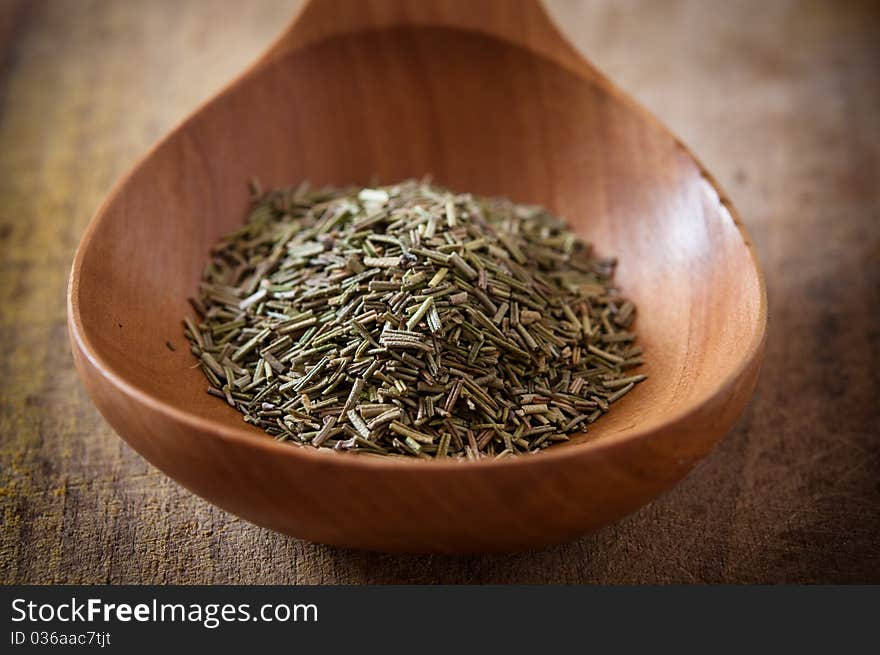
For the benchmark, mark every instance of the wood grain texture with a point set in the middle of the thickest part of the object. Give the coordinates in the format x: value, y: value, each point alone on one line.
x: 790, y: 495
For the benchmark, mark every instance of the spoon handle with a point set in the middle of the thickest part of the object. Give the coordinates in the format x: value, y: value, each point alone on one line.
x: 522, y: 22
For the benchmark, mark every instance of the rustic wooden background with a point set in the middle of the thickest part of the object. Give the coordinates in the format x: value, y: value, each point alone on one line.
x: 781, y: 99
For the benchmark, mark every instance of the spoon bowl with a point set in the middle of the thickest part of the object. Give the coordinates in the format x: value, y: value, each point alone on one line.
x: 484, y: 97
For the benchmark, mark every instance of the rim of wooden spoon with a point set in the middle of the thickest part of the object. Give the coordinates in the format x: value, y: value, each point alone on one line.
x: 547, y: 43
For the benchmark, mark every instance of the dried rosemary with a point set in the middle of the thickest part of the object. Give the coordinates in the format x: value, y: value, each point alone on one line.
x: 409, y: 320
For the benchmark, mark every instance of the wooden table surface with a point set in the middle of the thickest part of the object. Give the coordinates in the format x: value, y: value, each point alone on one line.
x: 781, y: 100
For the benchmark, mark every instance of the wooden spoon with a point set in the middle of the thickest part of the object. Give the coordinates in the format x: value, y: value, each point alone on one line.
x: 486, y: 97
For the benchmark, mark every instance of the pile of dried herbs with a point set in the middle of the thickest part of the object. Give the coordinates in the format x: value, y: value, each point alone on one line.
x: 413, y: 321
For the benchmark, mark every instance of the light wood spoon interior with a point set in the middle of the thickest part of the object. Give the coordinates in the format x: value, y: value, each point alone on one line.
x: 485, y: 96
